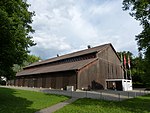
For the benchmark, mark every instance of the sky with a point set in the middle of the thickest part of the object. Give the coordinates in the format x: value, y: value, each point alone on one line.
x: 65, y: 26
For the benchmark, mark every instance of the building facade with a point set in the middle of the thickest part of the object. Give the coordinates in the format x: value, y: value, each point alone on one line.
x: 84, y: 69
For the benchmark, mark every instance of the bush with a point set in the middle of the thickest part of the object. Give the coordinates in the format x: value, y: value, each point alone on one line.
x: 138, y: 85
x: 2, y: 82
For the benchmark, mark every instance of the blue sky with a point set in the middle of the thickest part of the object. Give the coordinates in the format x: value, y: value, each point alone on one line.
x: 64, y: 26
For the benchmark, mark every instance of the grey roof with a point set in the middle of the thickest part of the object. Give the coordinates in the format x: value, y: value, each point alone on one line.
x: 78, y: 53
x: 56, y: 68
x: 46, y: 67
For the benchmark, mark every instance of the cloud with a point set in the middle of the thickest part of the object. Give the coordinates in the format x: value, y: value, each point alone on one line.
x: 104, y: 8
x: 69, y: 25
x: 49, y: 45
x: 52, y: 42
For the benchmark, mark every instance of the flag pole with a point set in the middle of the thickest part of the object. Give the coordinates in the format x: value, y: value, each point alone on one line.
x: 125, y: 66
x: 130, y: 73
x: 126, y: 74
x: 122, y: 66
x: 129, y: 67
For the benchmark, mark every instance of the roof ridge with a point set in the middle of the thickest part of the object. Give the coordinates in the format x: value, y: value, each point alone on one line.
x: 57, y: 68
x: 70, y: 55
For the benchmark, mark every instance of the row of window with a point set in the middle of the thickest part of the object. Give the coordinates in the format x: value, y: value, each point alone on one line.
x: 68, y: 60
x: 74, y: 59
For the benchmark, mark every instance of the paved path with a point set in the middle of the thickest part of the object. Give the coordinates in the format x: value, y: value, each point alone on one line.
x: 102, y: 94
x: 57, y: 106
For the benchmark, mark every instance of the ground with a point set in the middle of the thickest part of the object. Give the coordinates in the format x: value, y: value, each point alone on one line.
x: 137, y: 105
x: 21, y: 101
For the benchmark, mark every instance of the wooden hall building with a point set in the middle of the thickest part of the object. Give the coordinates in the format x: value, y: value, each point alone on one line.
x: 87, y: 68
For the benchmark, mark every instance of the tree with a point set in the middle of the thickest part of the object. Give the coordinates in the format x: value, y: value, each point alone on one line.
x: 126, y: 54
x: 138, y: 71
x: 30, y: 59
x: 137, y: 68
x: 15, y: 30
x: 140, y: 10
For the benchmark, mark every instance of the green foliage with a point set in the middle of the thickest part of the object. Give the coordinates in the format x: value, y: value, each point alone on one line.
x: 15, y: 30
x: 2, y: 82
x: 29, y: 60
x: 140, y: 10
x: 21, y: 101
x: 127, y: 54
x: 136, y: 105
x: 137, y: 68
x: 32, y: 59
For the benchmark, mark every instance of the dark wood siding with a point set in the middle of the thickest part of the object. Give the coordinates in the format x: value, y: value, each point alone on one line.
x: 106, y: 67
x: 53, y: 81
x: 110, y: 60
x: 39, y: 81
x: 86, y: 75
x: 50, y: 80
x: 95, y: 66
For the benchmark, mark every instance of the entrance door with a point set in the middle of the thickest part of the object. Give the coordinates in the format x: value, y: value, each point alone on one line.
x: 119, y: 85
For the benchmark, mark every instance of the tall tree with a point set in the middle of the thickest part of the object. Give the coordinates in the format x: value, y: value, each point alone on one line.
x: 138, y: 70
x: 140, y: 10
x: 15, y: 30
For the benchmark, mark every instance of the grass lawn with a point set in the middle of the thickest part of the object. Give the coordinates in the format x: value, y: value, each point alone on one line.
x: 22, y: 101
x: 136, y: 105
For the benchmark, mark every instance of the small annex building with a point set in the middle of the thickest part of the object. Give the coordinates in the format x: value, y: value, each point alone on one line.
x: 89, y: 68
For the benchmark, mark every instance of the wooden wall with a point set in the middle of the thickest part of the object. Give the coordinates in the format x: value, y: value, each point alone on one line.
x: 50, y: 80
x: 86, y: 75
x: 106, y: 67
x: 112, y: 63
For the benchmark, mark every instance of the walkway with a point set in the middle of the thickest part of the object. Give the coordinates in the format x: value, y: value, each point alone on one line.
x: 57, y: 106
x: 101, y: 94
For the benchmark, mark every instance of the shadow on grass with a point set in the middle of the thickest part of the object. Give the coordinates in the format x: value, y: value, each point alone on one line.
x: 9, y: 103
x: 136, y: 105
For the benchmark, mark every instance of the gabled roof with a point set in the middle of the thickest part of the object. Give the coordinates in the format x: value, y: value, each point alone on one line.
x: 42, y: 67
x: 71, y: 55
x: 56, y: 68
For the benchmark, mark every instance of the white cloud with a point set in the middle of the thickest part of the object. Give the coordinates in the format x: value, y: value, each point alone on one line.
x: 69, y: 25
x: 52, y: 42
x: 82, y: 28
x: 105, y: 8
x: 49, y: 45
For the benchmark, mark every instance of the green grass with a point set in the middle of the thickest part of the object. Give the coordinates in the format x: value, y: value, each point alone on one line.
x: 21, y: 101
x: 136, y: 105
